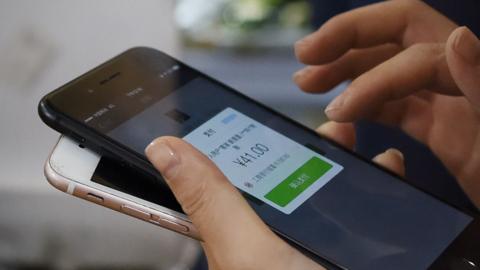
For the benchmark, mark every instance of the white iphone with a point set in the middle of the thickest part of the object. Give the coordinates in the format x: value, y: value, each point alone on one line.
x: 80, y: 172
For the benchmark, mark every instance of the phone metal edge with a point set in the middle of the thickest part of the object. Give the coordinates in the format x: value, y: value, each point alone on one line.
x: 118, y: 204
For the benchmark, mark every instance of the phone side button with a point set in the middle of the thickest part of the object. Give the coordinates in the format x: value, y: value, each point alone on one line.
x: 94, y: 198
x: 135, y: 212
x: 172, y: 225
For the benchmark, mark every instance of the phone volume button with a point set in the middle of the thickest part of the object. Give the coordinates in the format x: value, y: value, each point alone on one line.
x: 169, y: 224
x: 95, y: 198
x: 129, y: 210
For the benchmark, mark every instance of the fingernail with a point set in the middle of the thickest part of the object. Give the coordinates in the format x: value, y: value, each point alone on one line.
x: 395, y: 152
x: 297, y: 76
x: 304, y: 41
x: 467, y: 45
x: 336, y: 104
x: 323, y: 128
x: 163, y: 157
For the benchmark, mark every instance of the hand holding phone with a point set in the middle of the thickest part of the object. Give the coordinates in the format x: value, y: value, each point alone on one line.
x: 307, y: 188
x: 304, y: 187
x: 234, y: 236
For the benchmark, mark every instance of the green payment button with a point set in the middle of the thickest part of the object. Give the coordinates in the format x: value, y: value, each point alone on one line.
x: 298, y: 181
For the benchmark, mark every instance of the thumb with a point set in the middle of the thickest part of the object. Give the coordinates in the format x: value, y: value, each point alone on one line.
x: 225, y: 221
x: 463, y: 58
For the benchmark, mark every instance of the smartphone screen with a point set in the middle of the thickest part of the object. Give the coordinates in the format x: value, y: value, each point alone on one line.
x: 303, y: 186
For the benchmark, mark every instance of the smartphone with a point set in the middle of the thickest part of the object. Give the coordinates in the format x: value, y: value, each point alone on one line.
x: 316, y: 194
x: 80, y: 172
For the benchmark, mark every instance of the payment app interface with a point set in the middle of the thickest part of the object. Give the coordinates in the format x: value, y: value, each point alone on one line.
x: 262, y: 162
x: 305, y: 188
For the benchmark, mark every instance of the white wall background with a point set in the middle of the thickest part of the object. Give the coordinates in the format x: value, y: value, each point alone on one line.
x: 44, y: 44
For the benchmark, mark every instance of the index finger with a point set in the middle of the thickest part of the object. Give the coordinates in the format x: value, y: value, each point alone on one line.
x: 402, y: 22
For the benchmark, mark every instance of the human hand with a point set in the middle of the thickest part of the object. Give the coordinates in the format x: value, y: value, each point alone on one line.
x: 412, y: 68
x: 234, y: 237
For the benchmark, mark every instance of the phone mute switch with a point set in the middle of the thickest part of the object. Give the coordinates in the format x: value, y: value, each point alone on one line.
x: 135, y: 212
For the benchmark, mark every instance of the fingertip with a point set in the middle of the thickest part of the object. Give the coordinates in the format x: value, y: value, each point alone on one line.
x: 158, y: 142
x: 339, y: 109
x: 320, y: 47
x: 326, y: 128
x: 454, y: 35
x: 163, y: 155
x: 299, y: 49
x: 149, y: 150
x: 315, y: 79
x: 393, y: 160
x: 463, y: 59
x: 301, y: 76
x: 395, y: 152
x: 463, y: 42
x: 342, y: 133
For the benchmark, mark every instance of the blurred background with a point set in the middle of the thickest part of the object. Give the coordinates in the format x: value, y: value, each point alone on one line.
x: 43, y: 44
